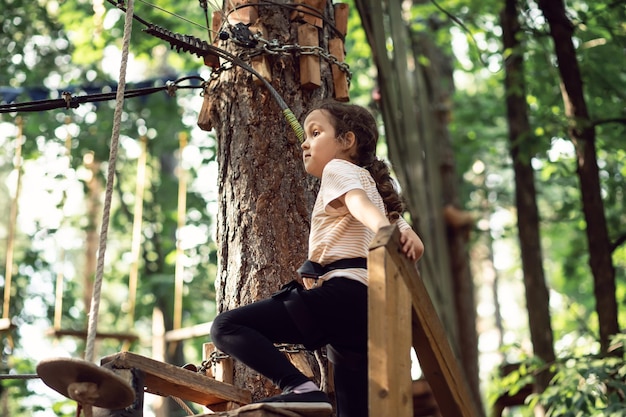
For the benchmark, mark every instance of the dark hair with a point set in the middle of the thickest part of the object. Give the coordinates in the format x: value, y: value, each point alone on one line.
x: 353, y: 118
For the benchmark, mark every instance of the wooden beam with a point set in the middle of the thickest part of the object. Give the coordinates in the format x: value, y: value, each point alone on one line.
x: 82, y: 334
x: 260, y: 62
x: 389, y: 339
x: 310, y: 72
x: 165, y: 379
x: 241, y: 11
x: 199, y: 330
x: 222, y: 370
x: 310, y: 13
x: 342, y: 11
x: 204, y: 117
x: 437, y: 359
x: 340, y: 79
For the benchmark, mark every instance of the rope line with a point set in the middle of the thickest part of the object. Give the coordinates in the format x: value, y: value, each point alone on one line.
x: 117, y: 121
x: 182, y: 405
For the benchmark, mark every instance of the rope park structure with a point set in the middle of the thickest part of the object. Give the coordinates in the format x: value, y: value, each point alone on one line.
x: 115, y: 384
x: 81, y: 380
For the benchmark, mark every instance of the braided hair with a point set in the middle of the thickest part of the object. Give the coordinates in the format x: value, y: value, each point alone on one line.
x: 353, y: 118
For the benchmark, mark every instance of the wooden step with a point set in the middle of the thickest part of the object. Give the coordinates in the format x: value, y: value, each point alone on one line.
x: 168, y: 380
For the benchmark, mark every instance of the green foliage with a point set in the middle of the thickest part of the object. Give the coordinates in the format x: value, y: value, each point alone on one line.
x: 56, y: 45
x: 583, y: 384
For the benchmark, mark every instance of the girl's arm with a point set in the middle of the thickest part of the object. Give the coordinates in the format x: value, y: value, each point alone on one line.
x: 362, y: 208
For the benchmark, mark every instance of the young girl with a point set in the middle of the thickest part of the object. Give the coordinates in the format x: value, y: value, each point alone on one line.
x: 356, y: 197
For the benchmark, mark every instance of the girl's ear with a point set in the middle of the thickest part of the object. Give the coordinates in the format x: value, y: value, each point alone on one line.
x: 349, y: 140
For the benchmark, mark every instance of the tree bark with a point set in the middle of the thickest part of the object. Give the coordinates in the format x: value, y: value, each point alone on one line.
x: 265, y: 196
x: 521, y: 138
x: 582, y: 134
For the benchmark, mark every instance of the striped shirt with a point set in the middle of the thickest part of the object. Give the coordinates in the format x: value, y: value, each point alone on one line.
x: 335, y: 233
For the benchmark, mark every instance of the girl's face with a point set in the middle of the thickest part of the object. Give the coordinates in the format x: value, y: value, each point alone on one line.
x: 321, y: 144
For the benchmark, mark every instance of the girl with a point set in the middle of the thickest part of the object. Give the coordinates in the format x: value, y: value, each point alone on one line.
x: 356, y: 198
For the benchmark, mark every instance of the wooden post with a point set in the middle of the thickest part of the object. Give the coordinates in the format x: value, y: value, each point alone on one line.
x: 437, y: 360
x: 308, y: 14
x: 240, y: 12
x: 260, y: 62
x: 212, y: 60
x: 223, y: 371
x: 389, y: 318
x: 340, y: 79
x: 341, y: 17
x: 336, y: 48
x: 310, y: 72
x: 204, y: 117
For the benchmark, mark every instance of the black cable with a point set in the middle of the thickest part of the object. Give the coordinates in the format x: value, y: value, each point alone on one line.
x: 188, y: 43
x: 73, y: 102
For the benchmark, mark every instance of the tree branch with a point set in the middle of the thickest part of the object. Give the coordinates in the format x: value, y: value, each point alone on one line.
x: 618, y: 242
x: 621, y: 120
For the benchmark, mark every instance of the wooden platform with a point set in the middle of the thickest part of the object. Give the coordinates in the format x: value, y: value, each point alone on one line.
x: 168, y: 380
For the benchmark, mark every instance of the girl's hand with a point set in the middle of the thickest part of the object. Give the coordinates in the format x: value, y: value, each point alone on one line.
x: 412, y: 245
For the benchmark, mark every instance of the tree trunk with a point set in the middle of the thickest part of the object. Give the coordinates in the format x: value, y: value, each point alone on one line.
x: 582, y: 134
x: 265, y: 196
x: 521, y: 138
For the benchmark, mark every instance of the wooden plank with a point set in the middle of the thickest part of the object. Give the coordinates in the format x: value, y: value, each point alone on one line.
x: 310, y: 72
x: 165, y: 379
x: 437, y: 359
x: 260, y: 62
x: 340, y: 79
x: 342, y: 10
x: 82, y: 334
x: 199, y: 330
x: 222, y: 370
x: 310, y: 13
x: 204, y: 117
x: 389, y: 345
x: 240, y: 12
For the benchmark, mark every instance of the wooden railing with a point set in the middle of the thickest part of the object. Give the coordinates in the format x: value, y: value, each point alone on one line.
x: 401, y: 315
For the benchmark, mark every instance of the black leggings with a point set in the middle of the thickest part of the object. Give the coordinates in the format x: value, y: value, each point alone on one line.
x: 338, y: 310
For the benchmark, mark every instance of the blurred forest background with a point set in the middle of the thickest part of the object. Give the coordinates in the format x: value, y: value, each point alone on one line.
x: 534, y: 154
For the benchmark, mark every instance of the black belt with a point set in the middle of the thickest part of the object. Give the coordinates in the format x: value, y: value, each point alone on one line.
x: 310, y: 269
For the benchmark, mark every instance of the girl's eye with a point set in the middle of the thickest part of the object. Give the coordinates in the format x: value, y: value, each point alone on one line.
x: 316, y: 133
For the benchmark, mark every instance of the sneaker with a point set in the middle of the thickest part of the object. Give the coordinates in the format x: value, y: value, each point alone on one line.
x: 314, y: 400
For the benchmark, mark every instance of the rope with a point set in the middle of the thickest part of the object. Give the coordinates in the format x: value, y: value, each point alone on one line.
x: 182, y: 405
x: 117, y: 120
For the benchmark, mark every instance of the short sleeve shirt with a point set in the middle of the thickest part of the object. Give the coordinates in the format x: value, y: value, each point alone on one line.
x: 335, y: 233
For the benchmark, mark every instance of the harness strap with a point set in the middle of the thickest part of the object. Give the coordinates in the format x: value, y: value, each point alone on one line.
x: 313, y: 270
